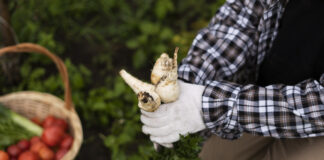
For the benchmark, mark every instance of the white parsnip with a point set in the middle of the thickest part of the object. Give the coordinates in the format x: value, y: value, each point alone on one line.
x: 165, y: 87
x: 148, y: 99
x: 162, y: 67
x: 165, y: 75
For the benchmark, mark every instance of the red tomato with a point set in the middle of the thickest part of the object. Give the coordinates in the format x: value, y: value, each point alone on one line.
x: 13, y: 158
x: 13, y: 150
x: 46, y: 154
x: 37, y: 146
x: 4, y: 155
x: 60, y: 153
x: 34, y: 140
x: 52, y: 136
x: 61, y: 123
x: 23, y: 144
x: 66, y: 142
x: 65, y: 135
x: 36, y: 121
x: 28, y: 155
x: 49, y: 121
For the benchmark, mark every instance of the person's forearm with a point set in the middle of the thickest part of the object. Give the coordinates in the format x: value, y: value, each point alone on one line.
x: 277, y: 110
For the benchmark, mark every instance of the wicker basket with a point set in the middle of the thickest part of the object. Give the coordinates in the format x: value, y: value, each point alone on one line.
x: 36, y: 104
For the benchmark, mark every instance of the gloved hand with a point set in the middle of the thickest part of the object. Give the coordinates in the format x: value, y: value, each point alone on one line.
x: 183, y: 116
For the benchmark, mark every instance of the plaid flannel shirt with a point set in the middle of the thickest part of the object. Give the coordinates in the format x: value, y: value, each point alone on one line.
x: 225, y: 57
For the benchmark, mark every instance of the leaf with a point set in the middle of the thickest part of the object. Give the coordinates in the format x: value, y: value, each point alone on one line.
x: 119, y: 87
x: 132, y: 44
x: 46, y: 40
x: 37, y: 73
x: 149, y: 28
x: 166, y: 34
x: 25, y: 70
x: 99, y: 106
x: 162, y: 7
x: 84, y: 70
x: 187, y: 148
x: 160, y: 48
x: 110, y: 141
x: 139, y: 59
x: 53, y: 83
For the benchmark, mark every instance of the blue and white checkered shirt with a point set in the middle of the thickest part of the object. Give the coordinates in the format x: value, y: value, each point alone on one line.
x: 225, y: 57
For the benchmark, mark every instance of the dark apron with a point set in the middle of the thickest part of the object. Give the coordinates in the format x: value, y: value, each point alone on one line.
x: 298, y: 50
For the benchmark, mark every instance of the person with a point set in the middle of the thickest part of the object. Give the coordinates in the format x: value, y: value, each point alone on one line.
x: 254, y: 74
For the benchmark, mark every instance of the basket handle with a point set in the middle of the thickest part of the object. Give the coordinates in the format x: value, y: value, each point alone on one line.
x: 30, y: 47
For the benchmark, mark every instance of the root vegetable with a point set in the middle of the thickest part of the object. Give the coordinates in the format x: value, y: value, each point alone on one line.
x: 148, y: 99
x: 163, y: 66
x: 165, y: 75
x: 165, y: 87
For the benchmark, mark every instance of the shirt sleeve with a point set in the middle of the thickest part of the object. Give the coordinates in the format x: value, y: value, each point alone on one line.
x: 218, y: 52
x: 276, y: 110
x: 222, y: 48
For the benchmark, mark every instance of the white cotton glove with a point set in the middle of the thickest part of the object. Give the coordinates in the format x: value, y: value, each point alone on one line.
x: 183, y: 116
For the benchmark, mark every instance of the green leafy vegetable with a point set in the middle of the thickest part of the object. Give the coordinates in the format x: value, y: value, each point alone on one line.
x: 14, y: 127
x: 188, y: 148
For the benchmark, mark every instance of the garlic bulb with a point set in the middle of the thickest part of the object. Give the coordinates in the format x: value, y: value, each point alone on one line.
x: 164, y: 76
x: 148, y: 99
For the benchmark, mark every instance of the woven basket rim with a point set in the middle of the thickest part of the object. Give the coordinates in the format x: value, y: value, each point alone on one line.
x: 9, y: 95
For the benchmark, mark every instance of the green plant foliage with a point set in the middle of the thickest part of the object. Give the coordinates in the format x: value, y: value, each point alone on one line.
x: 186, y: 149
x: 96, y: 39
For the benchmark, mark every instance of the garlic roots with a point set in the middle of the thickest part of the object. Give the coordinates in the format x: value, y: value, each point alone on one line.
x: 164, y: 79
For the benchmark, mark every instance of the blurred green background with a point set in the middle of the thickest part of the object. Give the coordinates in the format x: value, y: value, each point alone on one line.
x: 96, y: 38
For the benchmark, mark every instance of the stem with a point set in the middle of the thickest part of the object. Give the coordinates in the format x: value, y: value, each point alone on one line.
x: 26, y: 124
x: 175, y: 58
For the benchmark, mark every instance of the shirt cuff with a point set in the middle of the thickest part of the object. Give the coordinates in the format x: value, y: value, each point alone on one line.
x: 219, y: 105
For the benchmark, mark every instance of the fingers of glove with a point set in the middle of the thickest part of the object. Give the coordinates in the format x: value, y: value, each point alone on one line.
x: 162, y: 131
x: 166, y: 139
x: 160, y: 112
x: 156, y: 146
x: 155, y: 122
x: 167, y: 145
